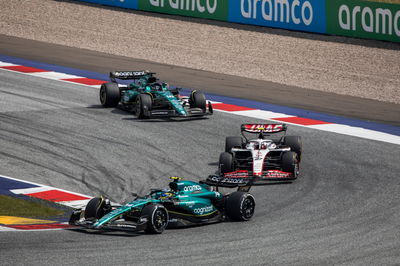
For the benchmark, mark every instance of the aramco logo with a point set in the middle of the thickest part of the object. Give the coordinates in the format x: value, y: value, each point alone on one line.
x: 278, y: 10
x: 381, y: 21
x: 190, y: 5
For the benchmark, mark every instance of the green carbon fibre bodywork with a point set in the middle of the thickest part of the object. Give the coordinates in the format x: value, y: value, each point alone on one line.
x: 188, y: 199
x: 159, y: 93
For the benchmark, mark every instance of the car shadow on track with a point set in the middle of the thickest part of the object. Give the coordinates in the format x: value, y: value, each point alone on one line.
x: 130, y: 116
x: 169, y: 120
x: 113, y: 110
x: 141, y: 233
x: 106, y: 233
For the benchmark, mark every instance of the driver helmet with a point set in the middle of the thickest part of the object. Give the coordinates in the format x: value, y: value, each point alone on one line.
x: 151, y: 79
x: 166, y: 195
x: 263, y: 146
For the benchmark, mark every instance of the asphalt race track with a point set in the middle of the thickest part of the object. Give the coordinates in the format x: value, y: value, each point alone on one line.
x: 228, y: 85
x: 344, y: 209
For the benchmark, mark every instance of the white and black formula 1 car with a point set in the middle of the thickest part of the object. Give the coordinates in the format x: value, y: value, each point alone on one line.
x: 274, y: 159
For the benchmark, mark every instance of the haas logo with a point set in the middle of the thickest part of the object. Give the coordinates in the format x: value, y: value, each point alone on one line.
x: 264, y: 127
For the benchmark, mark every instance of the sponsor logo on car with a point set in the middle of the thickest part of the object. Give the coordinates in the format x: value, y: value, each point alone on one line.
x: 159, y: 113
x: 277, y: 174
x: 126, y: 226
x: 237, y: 174
x: 202, y: 210
x: 238, y: 177
x: 254, y: 128
x: 129, y: 73
x: 192, y: 188
x: 233, y: 180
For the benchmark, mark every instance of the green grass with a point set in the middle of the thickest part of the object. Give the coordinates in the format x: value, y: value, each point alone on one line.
x: 10, y: 206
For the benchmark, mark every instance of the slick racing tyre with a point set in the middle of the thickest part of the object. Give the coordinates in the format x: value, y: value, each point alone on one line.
x: 198, y: 100
x: 157, y: 217
x: 143, y: 105
x: 75, y: 216
x: 240, y: 206
x: 226, y: 163
x: 290, y: 163
x: 232, y: 142
x: 97, y: 208
x: 295, y: 143
x: 109, y: 94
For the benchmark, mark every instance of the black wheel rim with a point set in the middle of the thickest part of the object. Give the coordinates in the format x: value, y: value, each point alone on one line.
x: 103, y: 95
x: 248, y: 208
x: 160, y: 220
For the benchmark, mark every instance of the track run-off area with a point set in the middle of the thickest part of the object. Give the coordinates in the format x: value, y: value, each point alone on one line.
x: 343, y: 209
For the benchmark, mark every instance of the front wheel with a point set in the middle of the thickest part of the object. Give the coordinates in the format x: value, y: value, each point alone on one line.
x: 295, y: 143
x: 198, y: 100
x: 226, y: 163
x: 157, y: 218
x: 75, y: 216
x: 290, y: 163
x: 240, y: 206
x: 143, y: 106
x: 97, y: 208
x: 233, y: 142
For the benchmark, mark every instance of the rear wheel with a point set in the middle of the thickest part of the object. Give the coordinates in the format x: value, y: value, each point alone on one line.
x: 157, y: 217
x: 233, y: 142
x: 210, y: 108
x: 143, y: 106
x: 240, y: 206
x: 295, y: 143
x: 226, y: 163
x: 96, y: 208
x: 198, y: 100
x: 290, y: 163
x: 109, y: 94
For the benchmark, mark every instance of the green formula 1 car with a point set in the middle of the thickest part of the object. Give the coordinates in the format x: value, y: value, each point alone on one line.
x: 147, y: 97
x: 183, y: 203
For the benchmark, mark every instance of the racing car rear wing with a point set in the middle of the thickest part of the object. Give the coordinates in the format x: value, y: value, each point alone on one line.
x: 130, y: 74
x: 263, y: 128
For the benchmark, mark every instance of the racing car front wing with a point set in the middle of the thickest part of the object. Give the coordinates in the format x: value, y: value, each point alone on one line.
x: 117, y: 225
x: 190, y: 112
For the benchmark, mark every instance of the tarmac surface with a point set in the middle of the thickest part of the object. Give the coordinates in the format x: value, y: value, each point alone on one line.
x: 344, y: 209
x: 228, y: 85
